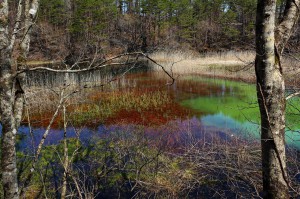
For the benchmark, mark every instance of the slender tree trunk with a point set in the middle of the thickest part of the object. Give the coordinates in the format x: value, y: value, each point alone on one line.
x: 271, y: 94
x: 69, y: 9
x: 129, y: 6
x: 40, y: 146
x: 137, y: 7
x: 120, y: 6
x: 66, y: 157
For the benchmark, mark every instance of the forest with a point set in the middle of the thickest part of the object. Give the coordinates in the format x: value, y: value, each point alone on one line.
x: 127, y: 26
x: 149, y: 99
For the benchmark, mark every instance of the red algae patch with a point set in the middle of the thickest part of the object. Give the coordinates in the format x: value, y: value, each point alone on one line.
x: 151, y: 117
x: 43, y: 120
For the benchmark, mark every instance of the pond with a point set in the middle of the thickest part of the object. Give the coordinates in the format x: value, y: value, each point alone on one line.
x: 194, y: 105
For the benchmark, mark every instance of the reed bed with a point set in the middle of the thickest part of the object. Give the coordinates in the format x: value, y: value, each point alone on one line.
x: 100, y: 106
x: 231, y: 64
x: 184, y: 62
x: 237, y: 65
x: 92, y: 106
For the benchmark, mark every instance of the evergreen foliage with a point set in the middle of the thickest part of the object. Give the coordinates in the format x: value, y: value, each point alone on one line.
x: 131, y: 24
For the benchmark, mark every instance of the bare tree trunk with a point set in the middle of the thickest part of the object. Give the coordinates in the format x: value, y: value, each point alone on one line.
x: 66, y: 157
x: 129, y: 6
x: 271, y: 94
x: 69, y: 9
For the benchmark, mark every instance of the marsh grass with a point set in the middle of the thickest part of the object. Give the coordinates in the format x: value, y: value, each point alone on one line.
x: 231, y: 64
x: 99, y: 106
x: 236, y: 65
x: 185, y: 62
x: 33, y: 63
x: 91, y: 107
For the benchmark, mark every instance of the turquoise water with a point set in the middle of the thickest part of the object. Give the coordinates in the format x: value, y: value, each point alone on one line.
x: 235, y: 107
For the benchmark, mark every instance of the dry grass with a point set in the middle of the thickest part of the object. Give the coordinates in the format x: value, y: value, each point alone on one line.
x: 189, y: 60
x: 229, y: 64
x: 41, y: 62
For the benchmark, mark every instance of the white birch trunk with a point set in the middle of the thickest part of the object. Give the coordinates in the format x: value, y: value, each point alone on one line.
x: 271, y: 94
x: 11, y: 96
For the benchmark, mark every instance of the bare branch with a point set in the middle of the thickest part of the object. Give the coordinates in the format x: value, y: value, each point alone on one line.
x: 292, y: 95
x: 162, y: 67
x: 100, y: 65
x: 68, y: 70
x: 63, y: 97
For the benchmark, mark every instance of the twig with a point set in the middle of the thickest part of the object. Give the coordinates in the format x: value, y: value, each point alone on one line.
x: 292, y: 95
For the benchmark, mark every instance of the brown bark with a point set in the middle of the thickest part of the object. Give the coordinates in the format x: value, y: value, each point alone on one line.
x: 271, y: 94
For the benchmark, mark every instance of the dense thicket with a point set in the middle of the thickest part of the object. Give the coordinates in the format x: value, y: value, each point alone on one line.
x: 64, y: 26
x: 115, y: 26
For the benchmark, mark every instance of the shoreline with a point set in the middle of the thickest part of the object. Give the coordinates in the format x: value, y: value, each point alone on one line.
x: 230, y: 65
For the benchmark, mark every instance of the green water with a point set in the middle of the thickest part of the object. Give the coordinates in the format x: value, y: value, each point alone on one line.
x: 235, y: 107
